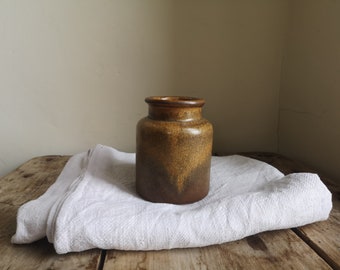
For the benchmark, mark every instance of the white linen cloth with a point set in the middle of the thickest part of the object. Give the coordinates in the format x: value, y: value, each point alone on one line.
x: 93, y: 204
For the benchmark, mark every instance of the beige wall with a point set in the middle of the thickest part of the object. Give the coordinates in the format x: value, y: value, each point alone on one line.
x: 230, y: 53
x: 75, y: 73
x: 310, y: 91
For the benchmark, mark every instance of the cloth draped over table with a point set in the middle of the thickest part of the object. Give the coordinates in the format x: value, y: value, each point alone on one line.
x: 93, y: 204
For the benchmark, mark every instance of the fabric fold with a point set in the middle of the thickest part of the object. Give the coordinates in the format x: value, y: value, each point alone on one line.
x: 93, y: 204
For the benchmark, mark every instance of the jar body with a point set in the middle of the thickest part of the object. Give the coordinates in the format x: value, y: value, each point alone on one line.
x: 173, y: 155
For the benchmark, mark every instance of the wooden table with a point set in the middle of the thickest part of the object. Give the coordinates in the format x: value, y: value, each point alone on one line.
x: 315, y: 246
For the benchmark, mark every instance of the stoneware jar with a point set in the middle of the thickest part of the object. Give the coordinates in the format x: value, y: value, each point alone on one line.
x: 174, y: 145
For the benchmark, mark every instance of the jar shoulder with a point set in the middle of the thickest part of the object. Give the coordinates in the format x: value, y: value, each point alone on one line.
x: 200, y: 126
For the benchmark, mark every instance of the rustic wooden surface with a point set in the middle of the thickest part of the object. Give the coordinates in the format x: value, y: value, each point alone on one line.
x: 315, y: 246
x: 26, y: 183
x: 271, y: 250
x: 322, y: 237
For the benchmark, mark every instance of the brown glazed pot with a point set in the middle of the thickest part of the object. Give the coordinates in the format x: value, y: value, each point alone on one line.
x: 174, y: 145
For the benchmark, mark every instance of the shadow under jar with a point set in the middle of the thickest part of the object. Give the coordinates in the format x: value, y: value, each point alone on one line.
x: 173, y: 155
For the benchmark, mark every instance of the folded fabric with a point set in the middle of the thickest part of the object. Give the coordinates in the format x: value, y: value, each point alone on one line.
x: 93, y: 204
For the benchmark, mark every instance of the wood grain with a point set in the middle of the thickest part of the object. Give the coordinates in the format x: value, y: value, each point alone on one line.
x: 315, y: 246
x: 271, y: 250
x: 28, y: 182
x: 287, y: 166
x: 323, y: 237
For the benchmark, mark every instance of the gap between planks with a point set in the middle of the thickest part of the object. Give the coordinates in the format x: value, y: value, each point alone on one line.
x: 318, y: 250
x: 102, y: 259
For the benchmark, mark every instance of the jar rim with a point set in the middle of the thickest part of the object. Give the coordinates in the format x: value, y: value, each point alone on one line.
x: 175, y: 101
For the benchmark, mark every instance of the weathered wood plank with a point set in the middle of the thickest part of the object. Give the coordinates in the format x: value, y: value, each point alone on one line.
x: 28, y: 182
x: 270, y: 250
x: 287, y: 166
x: 323, y: 237
x: 278, y: 249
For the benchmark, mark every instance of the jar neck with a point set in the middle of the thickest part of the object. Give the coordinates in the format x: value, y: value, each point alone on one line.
x: 174, y: 113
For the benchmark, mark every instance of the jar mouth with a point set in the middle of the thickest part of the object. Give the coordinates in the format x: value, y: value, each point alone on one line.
x: 175, y: 101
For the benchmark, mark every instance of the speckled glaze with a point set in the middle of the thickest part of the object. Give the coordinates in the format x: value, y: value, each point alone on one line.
x: 173, y: 155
